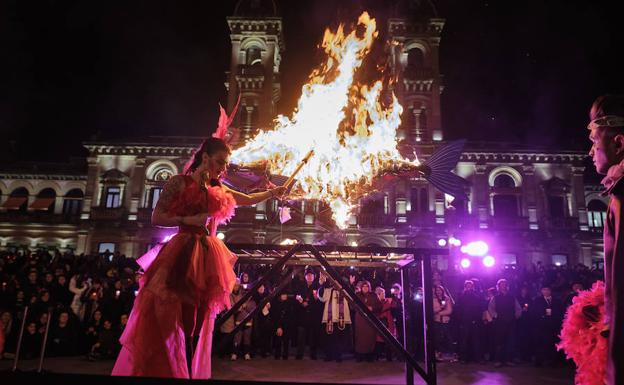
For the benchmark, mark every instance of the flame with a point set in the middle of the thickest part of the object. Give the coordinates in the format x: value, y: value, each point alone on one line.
x: 353, y: 136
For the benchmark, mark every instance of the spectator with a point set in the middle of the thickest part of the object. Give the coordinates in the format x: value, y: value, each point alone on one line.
x: 60, y: 291
x: 385, y: 316
x: 31, y: 342
x: 442, y: 310
x: 107, y: 345
x: 548, y: 314
x: 262, y: 327
x: 336, y: 320
x: 282, y: 317
x: 524, y: 326
x: 9, y: 332
x: 504, y: 309
x: 78, y: 286
x: 309, y: 314
x: 470, y: 310
x: 365, y: 334
x: 63, y: 337
x: 242, y: 339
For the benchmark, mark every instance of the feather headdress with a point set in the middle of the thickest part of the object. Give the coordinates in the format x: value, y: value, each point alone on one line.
x: 224, y: 123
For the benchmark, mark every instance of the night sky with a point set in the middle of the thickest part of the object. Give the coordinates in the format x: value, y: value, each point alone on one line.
x: 516, y: 71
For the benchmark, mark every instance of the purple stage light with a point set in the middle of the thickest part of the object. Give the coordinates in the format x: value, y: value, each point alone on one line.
x: 465, y: 263
x: 442, y: 242
x: 454, y: 241
x: 489, y: 261
x: 476, y: 249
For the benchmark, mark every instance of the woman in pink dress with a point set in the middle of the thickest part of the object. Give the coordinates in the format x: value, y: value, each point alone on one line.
x: 187, y: 280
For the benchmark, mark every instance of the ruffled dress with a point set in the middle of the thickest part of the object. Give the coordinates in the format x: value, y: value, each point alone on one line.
x: 193, y: 268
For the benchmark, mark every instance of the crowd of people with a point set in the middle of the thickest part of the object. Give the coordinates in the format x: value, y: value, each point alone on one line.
x: 502, y: 318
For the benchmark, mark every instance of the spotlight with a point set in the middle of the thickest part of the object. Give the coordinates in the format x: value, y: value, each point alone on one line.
x: 454, y: 241
x: 354, y: 244
x: 442, y: 242
x: 465, y: 263
x: 489, y: 261
x: 476, y: 249
x: 221, y: 236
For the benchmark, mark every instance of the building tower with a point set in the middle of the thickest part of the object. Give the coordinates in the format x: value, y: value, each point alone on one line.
x: 257, y: 46
x: 414, y: 37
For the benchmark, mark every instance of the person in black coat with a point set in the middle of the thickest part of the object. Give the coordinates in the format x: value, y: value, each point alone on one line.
x: 282, y: 317
x: 31, y: 342
x: 524, y: 326
x: 309, y: 314
x: 547, y: 314
x: 63, y: 338
x: 469, y: 313
x: 262, y: 327
x: 504, y: 309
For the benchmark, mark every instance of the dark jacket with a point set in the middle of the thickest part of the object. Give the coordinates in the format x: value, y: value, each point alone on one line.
x: 614, y: 282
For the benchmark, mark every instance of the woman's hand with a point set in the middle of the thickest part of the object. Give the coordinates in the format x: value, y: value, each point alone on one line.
x: 279, y: 191
x: 199, y: 220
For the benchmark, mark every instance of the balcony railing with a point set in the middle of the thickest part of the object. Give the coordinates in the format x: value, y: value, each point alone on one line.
x: 562, y: 223
x: 515, y: 223
x: 376, y: 220
x: 107, y: 214
x: 38, y: 217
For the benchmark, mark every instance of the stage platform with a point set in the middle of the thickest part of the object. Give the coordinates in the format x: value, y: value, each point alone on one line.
x: 79, y: 371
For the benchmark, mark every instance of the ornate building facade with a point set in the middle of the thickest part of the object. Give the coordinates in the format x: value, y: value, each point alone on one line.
x: 529, y: 205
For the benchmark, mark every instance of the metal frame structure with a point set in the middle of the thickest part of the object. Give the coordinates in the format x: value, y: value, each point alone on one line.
x: 295, y: 257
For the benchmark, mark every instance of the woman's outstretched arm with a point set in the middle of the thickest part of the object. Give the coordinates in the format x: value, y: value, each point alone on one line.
x: 251, y: 199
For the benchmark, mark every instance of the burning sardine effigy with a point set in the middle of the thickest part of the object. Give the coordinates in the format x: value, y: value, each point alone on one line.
x: 341, y: 138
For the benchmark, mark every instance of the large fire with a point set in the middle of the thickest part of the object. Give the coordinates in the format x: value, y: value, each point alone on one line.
x: 352, y: 133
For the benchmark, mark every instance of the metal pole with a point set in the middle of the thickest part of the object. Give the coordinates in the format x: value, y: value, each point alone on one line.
x: 19, y: 339
x: 407, y: 335
x: 428, y: 315
x: 277, y: 267
x: 367, y: 314
x: 285, y: 281
x: 45, y: 342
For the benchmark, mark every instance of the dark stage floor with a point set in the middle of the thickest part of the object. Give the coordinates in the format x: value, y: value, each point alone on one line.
x: 330, y: 372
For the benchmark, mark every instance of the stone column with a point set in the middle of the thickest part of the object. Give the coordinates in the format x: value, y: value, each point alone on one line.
x: 135, y: 188
x: 579, y: 207
x: 92, y: 189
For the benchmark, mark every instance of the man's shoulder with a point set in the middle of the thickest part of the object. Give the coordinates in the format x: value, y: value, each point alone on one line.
x: 617, y: 190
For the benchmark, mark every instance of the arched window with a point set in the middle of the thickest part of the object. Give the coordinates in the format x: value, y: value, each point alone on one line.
x: 253, y: 56
x: 504, y: 181
x: 505, y: 198
x: 415, y: 59
x: 72, y: 202
x: 18, y: 200
x: 45, y: 200
x: 157, y: 175
x: 596, y: 213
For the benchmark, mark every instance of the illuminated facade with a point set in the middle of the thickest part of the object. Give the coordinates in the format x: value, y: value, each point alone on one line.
x: 528, y: 205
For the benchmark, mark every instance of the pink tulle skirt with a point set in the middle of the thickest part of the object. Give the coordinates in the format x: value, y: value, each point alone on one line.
x: 191, y: 269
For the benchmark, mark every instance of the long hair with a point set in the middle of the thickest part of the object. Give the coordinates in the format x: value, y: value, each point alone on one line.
x: 209, y: 146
